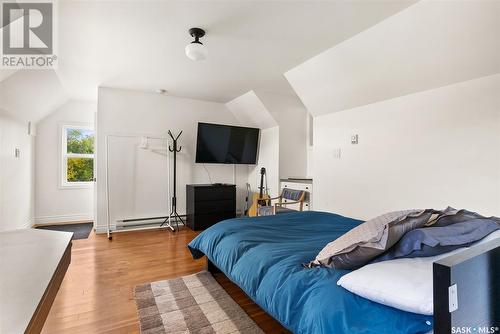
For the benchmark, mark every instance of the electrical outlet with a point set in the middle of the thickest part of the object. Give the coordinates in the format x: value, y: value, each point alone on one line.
x: 354, y: 139
x: 337, y: 153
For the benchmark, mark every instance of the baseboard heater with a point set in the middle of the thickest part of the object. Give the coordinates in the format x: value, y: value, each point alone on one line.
x: 136, y: 224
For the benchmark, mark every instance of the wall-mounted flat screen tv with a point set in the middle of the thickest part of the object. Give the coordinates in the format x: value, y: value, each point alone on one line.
x: 224, y: 144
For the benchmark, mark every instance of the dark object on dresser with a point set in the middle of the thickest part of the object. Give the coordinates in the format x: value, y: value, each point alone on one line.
x: 208, y: 204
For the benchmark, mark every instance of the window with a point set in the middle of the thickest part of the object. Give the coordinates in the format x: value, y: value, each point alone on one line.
x: 77, y: 156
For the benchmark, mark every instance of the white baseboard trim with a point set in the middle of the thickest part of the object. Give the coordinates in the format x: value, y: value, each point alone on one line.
x: 101, y: 229
x: 47, y: 220
x: 30, y: 223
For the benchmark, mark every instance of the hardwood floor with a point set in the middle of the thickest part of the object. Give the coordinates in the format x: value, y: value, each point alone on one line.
x: 96, y: 295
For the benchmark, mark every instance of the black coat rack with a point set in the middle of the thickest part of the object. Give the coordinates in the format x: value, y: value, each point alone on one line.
x: 173, y: 212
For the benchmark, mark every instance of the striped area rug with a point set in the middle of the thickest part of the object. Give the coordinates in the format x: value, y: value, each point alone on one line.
x: 190, y: 304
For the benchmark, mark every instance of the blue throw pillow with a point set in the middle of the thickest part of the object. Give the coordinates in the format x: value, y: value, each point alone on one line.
x: 435, y: 240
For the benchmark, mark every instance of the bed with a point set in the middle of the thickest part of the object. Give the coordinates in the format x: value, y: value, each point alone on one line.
x: 263, y: 256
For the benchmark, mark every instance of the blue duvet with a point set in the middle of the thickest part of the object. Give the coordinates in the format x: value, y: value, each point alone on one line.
x: 263, y: 256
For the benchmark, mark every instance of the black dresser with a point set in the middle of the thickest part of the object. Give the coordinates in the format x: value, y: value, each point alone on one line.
x: 208, y: 204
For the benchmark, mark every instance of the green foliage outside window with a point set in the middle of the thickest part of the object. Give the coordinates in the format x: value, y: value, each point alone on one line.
x: 80, y: 141
x: 80, y: 169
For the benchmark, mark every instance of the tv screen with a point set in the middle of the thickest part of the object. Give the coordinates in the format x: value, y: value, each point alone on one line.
x: 224, y: 144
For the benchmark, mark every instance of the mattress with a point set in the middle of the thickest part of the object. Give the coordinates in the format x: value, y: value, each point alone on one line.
x: 264, y: 256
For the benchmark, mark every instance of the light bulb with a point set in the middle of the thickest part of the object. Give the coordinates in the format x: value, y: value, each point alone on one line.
x: 196, y: 51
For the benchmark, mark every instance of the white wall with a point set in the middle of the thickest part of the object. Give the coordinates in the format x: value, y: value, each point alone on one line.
x: 291, y: 116
x: 16, y: 175
x: 269, y: 152
x: 249, y: 110
x: 430, y: 149
x: 143, y: 113
x: 53, y: 203
x: 265, y: 109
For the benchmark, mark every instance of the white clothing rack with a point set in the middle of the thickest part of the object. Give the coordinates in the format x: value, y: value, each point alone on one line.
x: 144, y: 222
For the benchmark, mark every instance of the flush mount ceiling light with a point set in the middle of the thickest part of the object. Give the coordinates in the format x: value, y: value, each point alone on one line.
x: 196, y: 50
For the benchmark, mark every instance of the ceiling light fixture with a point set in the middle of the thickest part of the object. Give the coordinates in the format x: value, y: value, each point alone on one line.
x: 196, y: 50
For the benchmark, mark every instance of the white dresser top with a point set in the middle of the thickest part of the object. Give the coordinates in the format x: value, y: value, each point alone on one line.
x: 297, y: 180
x: 28, y: 260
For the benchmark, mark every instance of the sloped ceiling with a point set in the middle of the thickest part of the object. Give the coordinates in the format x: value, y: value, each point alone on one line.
x: 4, y: 74
x: 140, y: 45
x: 428, y: 45
x: 29, y: 95
x: 250, y: 111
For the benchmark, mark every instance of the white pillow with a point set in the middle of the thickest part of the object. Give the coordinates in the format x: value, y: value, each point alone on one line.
x: 405, y: 284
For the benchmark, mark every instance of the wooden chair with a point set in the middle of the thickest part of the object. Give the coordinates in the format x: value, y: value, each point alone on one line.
x: 291, y: 196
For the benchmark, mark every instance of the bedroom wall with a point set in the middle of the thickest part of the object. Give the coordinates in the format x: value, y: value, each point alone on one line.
x: 430, y: 149
x: 53, y: 203
x: 291, y: 116
x: 269, y: 151
x: 249, y: 110
x: 143, y: 113
x: 16, y: 174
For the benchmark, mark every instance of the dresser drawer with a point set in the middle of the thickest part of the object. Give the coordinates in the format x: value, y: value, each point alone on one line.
x: 219, y: 193
x: 306, y: 206
x: 200, y: 222
x: 209, y: 204
x: 202, y: 207
x: 298, y: 186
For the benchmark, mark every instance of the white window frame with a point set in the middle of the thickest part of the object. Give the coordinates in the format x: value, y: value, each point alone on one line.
x: 64, y: 155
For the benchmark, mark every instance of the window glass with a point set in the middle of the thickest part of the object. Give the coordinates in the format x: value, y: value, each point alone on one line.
x: 80, y: 169
x: 80, y: 141
x: 77, y: 156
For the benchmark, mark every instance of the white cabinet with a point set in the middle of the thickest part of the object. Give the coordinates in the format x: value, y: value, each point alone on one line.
x: 305, y: 185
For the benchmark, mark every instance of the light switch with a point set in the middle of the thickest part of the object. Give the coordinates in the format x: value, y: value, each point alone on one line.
x: 17, y: 152
x: 337, y: 153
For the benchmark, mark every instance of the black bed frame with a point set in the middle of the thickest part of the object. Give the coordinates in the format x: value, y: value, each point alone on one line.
x: 466, y: 290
